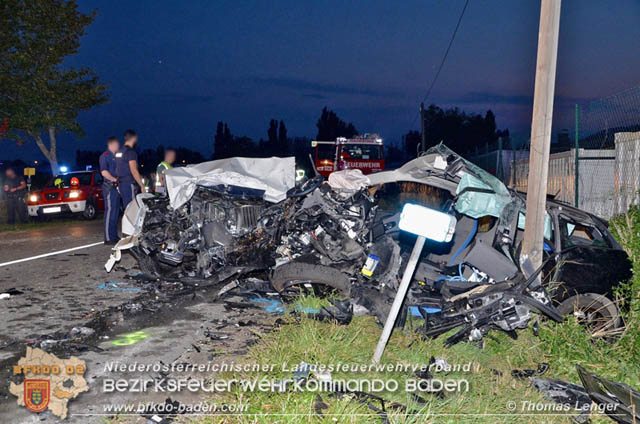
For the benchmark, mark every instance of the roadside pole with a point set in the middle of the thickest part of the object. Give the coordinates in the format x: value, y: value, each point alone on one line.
x: 397, y: 302
x: 426, y: 223
x: 541, y: 129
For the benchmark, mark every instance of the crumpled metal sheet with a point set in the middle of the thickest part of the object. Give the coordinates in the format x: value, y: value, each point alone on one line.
x: 274, y: 175
x: 623, y: 401
x: 443, y: 168
x: 348, y: 179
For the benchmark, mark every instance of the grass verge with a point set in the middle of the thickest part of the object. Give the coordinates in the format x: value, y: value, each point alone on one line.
x: 485, y: 392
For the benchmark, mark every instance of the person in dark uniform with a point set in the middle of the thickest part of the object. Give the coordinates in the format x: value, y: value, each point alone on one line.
x: 127, y: 168
x: 14, y: 186
x: 110, y: 191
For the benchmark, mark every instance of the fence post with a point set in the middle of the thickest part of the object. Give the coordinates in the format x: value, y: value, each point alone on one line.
x: 487, y: 160
x: 576, y: 173
x: 499, y: 172
x: 514, y: 164
x: 423, y: 134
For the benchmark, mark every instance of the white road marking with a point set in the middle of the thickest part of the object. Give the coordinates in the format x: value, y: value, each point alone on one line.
x: 17, y: 261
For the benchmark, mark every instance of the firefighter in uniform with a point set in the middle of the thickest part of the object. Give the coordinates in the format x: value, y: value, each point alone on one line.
x: 127, y: 168
x: 165, y: 165
x: 110, y: 191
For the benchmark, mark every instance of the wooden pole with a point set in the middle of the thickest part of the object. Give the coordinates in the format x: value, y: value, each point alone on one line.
x: 541, y: 129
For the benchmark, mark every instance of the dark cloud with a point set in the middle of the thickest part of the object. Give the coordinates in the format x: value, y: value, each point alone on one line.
x: 483, y: 97
x: 187, y: 98
x: 480, y: 97
x: 300, y: 84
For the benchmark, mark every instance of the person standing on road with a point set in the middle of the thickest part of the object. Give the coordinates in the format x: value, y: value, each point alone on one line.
x: 110, y: 191
x: 14, y: 186
x: 165, y: 165
x: 127, y: 168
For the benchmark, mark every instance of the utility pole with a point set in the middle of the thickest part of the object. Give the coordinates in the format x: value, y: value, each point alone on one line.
x: 541, y: 129
x: 423, y: 134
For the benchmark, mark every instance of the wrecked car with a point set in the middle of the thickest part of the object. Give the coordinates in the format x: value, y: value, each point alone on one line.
x: 215, y: 223
x: 234, y: 216
x: 344, y: 236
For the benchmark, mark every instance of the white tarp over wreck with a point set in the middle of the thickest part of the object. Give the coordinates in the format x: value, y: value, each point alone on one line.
x: 273, y: 175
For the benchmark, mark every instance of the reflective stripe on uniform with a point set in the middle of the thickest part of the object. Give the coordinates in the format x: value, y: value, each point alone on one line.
x: 107, y: 216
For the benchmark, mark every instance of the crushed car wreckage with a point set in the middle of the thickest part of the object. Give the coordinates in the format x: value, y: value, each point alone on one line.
x: 239, y: 215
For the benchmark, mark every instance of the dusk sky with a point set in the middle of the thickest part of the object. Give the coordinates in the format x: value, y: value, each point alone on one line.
x: 175, y: 68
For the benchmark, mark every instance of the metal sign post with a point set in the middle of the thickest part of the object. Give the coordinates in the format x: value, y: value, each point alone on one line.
x: 426, y: 223
x: 397, y: 302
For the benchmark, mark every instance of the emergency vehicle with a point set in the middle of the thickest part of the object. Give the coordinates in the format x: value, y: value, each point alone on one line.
x: 365, y: 152
x: 79, y: 193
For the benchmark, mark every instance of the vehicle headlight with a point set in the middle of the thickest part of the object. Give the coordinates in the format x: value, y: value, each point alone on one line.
x: 33, y: 198
x: 74, y: 194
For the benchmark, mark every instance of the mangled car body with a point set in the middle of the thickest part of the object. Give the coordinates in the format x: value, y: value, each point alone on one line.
x: 207, y: 228
x: 225, y: 219
x: 476, y: 281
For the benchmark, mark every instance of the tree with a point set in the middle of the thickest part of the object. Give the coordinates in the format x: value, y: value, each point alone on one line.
x: 330, y: 127
x: 218, y: 141
x: 222, y: 142
x: 226, y: 145
x: 270, y: 146
x: 86, y: 158
x: 243, y: 146
x: 283, y: 142
x: 461, y: 131
x: 272, y: 132
x: 187, y: 155
x: 411, y: 141
x: 40, y: 97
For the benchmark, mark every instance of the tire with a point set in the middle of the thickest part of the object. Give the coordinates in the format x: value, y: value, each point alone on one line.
x: 147, y: 264
x: 90, y: 212
x: 595, y: 311
x: 299, y: 276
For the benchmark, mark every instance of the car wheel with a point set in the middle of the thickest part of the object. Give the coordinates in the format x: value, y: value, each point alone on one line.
x: 298, y: 279
x: 595, y: 311
x: 90, y: 211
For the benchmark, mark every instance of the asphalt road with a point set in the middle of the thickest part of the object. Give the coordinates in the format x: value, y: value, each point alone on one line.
x: 68, y: 290
x: 24, y: 244
x: 59, y: 290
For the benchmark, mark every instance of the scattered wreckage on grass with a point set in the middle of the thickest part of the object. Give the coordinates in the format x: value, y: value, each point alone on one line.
x: 235, y: 216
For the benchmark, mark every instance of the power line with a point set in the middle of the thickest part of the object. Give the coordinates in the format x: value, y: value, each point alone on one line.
x: 444, y: 59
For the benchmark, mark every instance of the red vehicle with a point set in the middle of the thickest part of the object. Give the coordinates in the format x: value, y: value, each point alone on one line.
x: 365, y: 153
x: 79, y: 193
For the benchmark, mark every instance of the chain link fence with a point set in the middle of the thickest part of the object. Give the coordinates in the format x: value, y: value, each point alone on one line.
x: 595, y: 155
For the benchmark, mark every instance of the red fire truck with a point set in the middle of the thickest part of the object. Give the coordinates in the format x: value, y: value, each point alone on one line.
x: 365, y: 152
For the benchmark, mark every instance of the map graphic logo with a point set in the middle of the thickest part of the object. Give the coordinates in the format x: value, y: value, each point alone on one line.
x: 49, y: 382
x: 36, y: 395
